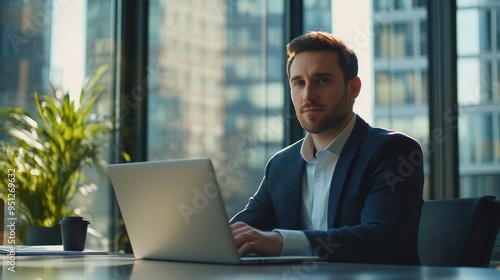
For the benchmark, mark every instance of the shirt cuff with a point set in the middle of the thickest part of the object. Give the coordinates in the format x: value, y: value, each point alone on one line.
x: 294, y: 243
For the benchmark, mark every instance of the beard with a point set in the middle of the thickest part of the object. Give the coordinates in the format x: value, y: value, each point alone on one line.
x: 331, y: 118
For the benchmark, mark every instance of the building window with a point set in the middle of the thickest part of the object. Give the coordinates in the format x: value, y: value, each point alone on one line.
x: 60, y: 44
x: 478, y: 62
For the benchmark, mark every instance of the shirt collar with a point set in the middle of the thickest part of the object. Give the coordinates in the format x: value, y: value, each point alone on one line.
x: 335, y: 147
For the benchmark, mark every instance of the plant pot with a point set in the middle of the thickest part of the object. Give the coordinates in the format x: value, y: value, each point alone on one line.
x: 44, y: 235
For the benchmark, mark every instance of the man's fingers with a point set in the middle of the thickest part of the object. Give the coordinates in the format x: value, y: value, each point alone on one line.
x: 244, y: 234
x: 239, y: 227
x: 246, y: 248
x: 245, y: 237
x: 250, y: 240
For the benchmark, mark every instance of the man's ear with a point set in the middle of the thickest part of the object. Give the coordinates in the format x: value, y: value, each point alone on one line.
x: 354, y: 86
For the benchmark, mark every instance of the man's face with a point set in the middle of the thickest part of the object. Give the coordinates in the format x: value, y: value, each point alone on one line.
x: 322, y: 101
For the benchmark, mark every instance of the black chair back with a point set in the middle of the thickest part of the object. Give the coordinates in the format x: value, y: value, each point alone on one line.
x: 458, y: 232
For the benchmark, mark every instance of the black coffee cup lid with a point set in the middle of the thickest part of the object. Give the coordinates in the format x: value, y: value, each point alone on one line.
x: 73, y: 219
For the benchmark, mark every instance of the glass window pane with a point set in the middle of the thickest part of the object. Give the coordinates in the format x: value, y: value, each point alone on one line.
x: 403, y: 39
x: 396, y: 40
x: 474, y: 29
x: 467, y: 38
x: 479, y: 149
x: 383, y: 88
x: 382, y: 33
x: 317, y: 15
x: 60, y: 44
x: 400, y: 85
x: 220, y: 87
x: 403, y: 85
x: 478, y: 97
x: 400, y: 39
x: 468, y: 81
x: 477, y: 80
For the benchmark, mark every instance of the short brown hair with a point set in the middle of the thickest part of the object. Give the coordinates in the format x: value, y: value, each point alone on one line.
x: 323, y: 41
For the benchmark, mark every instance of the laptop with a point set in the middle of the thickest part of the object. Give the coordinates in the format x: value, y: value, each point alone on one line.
x: 174, y: 210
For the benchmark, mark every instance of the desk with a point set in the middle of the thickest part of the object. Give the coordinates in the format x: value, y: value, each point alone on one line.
x: 126, y: 267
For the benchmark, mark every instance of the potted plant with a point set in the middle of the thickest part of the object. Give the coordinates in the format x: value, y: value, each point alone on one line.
x: 48, y: 152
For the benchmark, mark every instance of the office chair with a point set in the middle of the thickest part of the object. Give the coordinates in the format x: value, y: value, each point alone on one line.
x: 459, y: 231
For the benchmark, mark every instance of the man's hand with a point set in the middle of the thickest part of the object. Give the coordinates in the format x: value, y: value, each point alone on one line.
x: 251, y: 240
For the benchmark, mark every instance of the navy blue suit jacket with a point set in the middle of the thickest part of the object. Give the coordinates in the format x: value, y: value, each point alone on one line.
x: 374, y: 203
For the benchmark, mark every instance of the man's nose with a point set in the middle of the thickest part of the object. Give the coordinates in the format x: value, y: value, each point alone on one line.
x: 309, y: 93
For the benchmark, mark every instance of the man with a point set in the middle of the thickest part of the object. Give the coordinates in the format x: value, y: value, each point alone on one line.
x: 347, y: 192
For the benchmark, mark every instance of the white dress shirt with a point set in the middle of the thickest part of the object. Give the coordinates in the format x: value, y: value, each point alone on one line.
x: 315, y: 190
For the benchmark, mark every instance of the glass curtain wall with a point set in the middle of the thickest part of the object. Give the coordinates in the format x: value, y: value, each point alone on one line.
x: 60, y: 44
x: 218, y: 90
x: 478, y: 70
x: 478, y: 66
x: 400, y: 68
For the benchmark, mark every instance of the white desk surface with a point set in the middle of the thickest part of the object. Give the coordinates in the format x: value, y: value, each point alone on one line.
x: 118, y: 266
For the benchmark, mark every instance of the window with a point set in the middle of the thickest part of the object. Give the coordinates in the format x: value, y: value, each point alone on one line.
x: 478, y: 92
x: 61, y: 44
x: 400, y: 69
x: 220, y: 87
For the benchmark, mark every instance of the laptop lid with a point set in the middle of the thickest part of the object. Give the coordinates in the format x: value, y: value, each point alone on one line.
x: 173, y: 210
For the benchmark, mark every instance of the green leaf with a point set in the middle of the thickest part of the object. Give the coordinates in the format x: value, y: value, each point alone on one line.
x: 50, y: 150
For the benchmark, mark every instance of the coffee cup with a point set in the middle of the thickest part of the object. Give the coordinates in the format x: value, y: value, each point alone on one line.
x: 74, y: 233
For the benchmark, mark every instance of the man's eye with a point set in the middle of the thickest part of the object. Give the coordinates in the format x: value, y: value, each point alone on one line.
x: 298, y: 83
x: 323, y: 80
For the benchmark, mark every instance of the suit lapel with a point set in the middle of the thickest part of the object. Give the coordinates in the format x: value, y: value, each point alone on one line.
x: 292, y: 202
x: 342, y: 167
